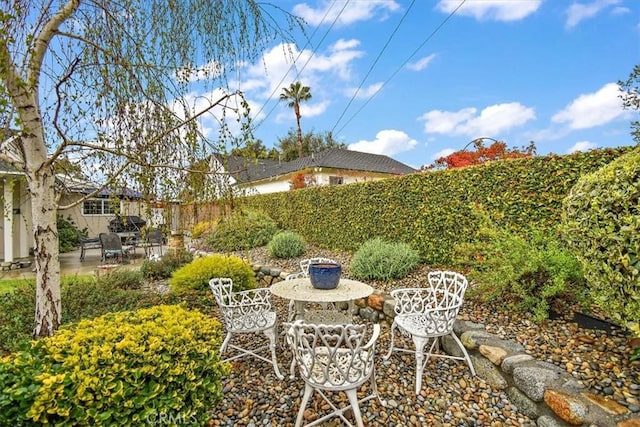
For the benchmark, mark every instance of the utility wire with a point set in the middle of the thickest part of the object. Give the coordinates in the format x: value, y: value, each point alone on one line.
x: 433, y: 33
x: 373, y: 64
x: 298, y: 57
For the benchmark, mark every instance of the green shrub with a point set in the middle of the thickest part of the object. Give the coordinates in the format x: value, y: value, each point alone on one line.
x: 526, y: 272
x: 68, y: 234
x: 166, y: 265
x: 122, y: 278
x: 601, y: 225
x: 126, y: 368
x: 83, y: 298
x: 202, y: 228
x: 286, y: 244
x: 241, y: 230
x: 377, y: 259
x: 196, y: 275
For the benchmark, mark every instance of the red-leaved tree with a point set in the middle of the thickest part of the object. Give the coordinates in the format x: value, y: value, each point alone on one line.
x: 481, y: 154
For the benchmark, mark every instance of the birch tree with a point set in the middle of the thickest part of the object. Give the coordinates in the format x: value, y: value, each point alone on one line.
x: 105, y: 84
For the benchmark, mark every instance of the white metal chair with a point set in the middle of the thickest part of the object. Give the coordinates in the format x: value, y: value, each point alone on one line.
x: 243, y: 313
x: 334, y: 358
x: 427, y: 314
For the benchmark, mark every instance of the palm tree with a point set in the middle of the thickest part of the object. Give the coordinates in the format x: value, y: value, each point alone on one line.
x: 293, y: 96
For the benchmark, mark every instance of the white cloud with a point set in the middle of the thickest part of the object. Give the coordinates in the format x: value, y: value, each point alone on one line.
x: 496, y: 10
x: 592, y: 109
x: 491, y: 121
x: 275, y: 70
x: 580, y: 11
x: 582, y: 146
x: 443, y: 153
x: 421, y: 63
x: 354, y: 11
x: 306, y: 110
x: 387, y: 142
x: 364, y: 92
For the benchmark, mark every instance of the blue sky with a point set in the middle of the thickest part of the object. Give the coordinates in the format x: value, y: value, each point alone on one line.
x: 430, y: 78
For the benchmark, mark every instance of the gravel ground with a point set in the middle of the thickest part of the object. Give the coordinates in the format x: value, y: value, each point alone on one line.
x: 449, y: 396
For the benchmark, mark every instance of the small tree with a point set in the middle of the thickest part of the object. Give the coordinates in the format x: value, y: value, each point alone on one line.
x: 631, y: 98
x: 311, y: 143
x: 293, y: 96
x: 496, y: 151
x: 107, y: 84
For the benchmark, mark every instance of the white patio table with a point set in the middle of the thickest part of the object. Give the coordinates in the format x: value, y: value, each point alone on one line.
x: 301, y: 292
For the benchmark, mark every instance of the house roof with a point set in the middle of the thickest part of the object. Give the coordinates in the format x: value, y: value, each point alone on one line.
x: 6, y: 168
x: 245, y: 170
x: 84, y: 186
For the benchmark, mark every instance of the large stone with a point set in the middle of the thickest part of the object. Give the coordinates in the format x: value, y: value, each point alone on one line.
x: 548, y: 421
x: 495, y: 354
x: 633, y: 422
x: 534, y: 380
x: 462, y: 326
x: 525, y: 405
x: 510, y: 362
x: 609, y: 405
x: 376, y: 301
x: 389, y: 308
x: 488, y: 371
x: 473, y: 339
x: 566, y: 406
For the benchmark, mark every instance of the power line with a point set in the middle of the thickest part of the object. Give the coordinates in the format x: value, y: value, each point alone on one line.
x: 429, y: 37
x: 300, y: 54
x: 373, y: 64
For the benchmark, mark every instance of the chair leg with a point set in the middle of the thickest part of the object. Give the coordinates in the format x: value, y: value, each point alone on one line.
x: 353, y: 400
x: 308, y: 390
x: 419, y: 343
x: 393, y: 330
x: 271, y: 334
x: 223, y: 347
x: 464, y: 351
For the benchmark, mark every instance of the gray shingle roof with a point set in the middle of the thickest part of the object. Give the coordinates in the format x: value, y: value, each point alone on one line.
x: 7, y: 168
x: 334, y: 158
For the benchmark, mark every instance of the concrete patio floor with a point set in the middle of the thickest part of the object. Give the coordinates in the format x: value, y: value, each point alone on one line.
x: 70, y: 264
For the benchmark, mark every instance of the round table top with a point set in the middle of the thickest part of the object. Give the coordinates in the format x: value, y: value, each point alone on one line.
x: 302, y: 290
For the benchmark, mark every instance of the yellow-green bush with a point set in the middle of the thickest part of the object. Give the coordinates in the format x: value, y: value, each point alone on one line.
x: 196, y: 275
x: 202, y: 228
x: 601, y: 224
x: 127, y: 368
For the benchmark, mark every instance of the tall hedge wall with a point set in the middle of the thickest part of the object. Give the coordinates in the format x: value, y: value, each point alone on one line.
x: 433, y: 210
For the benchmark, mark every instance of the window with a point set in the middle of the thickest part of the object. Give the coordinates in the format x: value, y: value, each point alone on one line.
x: 336, y: 180
x: 98, y: 207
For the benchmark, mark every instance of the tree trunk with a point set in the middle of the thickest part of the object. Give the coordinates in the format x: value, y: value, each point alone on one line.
x: 44, y: 209
x: 48, y: 312
x: 297, y: 111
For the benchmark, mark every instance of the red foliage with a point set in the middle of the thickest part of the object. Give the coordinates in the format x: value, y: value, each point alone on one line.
x: 496, y: 151
x: 300, y: 180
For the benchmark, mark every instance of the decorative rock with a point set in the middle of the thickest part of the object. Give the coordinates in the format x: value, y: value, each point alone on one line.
x: 566, y: 406
x: 509, y: 363
x: 523, y: 403
x: 547, y: 421
x: 388, y: 308
x: 609, y: 405
x: 534, y: 380
x: 473, y: 339
x: 376, y: 301
x: 633, y: 422
x: 495, y: 354
x: 488, y: 372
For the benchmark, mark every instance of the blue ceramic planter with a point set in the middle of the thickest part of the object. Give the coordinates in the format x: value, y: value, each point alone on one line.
x: 325, y: 275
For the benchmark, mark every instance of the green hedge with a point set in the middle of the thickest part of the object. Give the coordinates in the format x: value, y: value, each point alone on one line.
x: 601, y: 225
x: 431, y: 210
x: 127, y: 368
